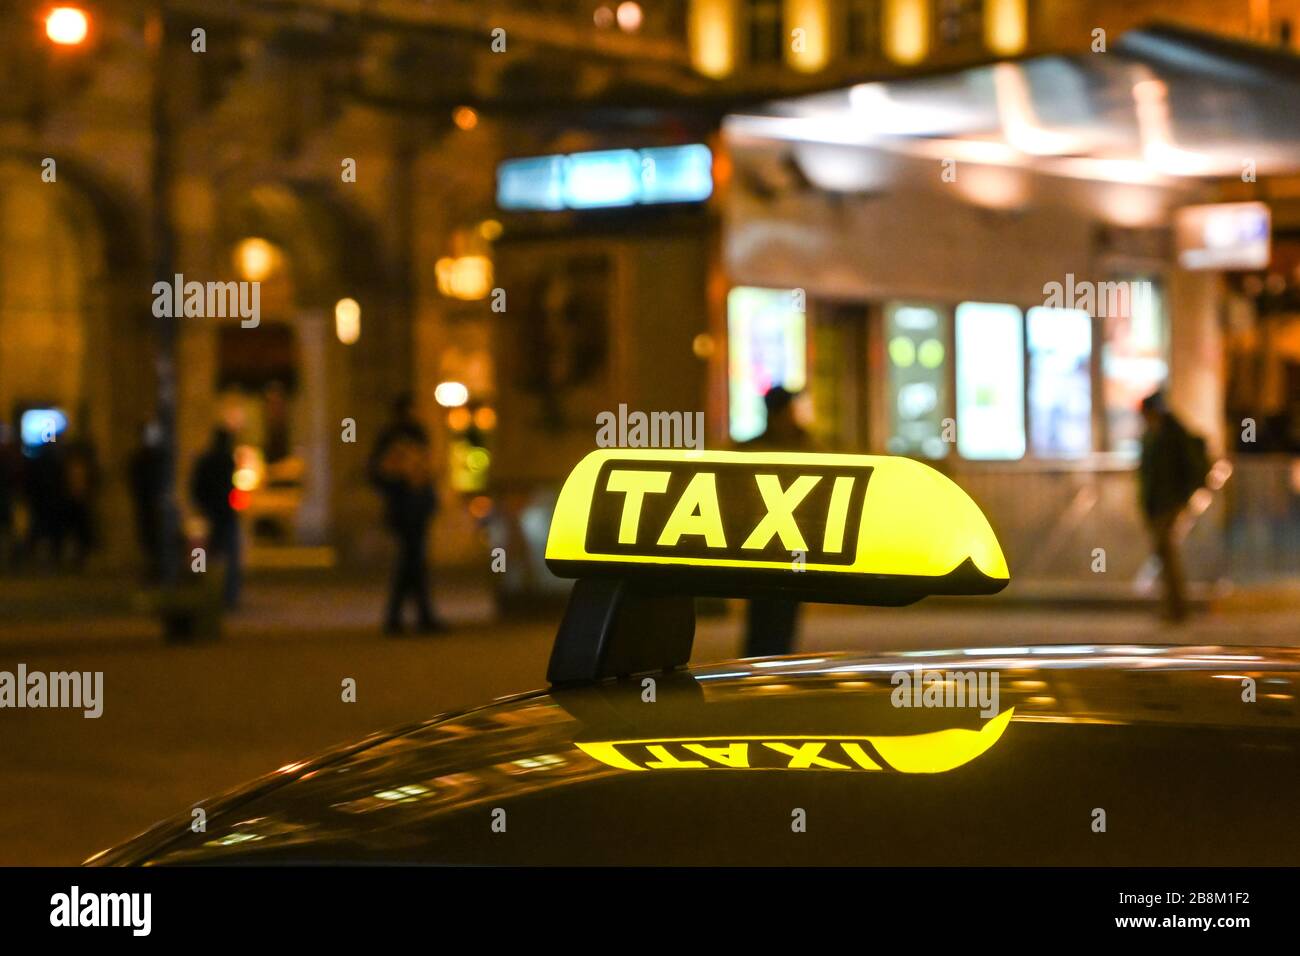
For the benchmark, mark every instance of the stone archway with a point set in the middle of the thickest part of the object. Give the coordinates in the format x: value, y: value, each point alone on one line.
x: 294, y: 377
x: 49, y: 259
x: 71, y: 335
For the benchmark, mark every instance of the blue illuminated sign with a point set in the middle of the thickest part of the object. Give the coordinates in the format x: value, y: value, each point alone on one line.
x: 531, y: 183
x: 40, y: 426
x: 607, y: 178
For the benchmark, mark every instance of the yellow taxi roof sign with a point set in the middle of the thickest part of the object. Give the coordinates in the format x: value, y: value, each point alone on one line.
x: 855, y: 529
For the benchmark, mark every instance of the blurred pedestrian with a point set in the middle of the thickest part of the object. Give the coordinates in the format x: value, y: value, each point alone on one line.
x: 1173, y: 466
x: 145, y: 483
x: 771, y: 623
x: 400, y: 469
x: 10, y: 472
x: 211, y: 484
x: 43, y: 489
x: 80, y: 487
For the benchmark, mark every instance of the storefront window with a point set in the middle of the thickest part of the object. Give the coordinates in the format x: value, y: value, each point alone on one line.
x: 765, y: 335
x: 1060, y: 381
x: 916, y: 353
x: 990, y: 382
x: 1133, y: 363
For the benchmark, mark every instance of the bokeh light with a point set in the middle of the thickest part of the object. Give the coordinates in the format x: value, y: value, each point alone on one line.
x: 67, y: 26
x: 465, y: 118
x: 629, y: 16
x: 347, y: 320
x: 256, y: 259
x: 451, y: 394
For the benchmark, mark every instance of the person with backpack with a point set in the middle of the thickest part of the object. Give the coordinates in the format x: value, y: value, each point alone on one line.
x: 1172, y: 467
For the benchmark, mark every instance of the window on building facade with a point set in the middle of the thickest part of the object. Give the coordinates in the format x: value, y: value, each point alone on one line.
x: 990, y: 382
x: 959, y: 20
x: 862, y: 28
x: 1024, y: 380
x: 766, y: 30
x: 766, y: 347
x: 1134, y: 361
x: 1060, y: 382
x: 916, y: 356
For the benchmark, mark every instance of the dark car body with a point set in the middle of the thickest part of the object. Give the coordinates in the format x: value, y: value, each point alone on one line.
x: 1097, y: 756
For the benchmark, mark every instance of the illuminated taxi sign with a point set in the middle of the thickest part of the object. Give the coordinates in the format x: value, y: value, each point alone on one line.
x: 935, y: 752
x: 845, y: 528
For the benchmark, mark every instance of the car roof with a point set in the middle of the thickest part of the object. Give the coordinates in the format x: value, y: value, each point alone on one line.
x: 1192, y: 755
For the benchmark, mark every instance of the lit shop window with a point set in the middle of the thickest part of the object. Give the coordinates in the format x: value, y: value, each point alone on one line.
x: 765, y: 335
x: 916, y: 352
x: 1005, y: 26
x: 990, y: 382
x: 1133, y: 362
x: 1060, y: 382
x: 907, y: 30
x: 712, y: 32
x: 810, y: 48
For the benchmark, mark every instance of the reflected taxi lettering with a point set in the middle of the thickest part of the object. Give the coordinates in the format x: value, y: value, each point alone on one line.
x: 934, y: 752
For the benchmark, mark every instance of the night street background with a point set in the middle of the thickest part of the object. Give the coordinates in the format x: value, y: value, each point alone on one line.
x: 318, y: 297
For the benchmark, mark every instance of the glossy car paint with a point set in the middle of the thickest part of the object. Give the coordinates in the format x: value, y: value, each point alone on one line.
x: 1158, y: 738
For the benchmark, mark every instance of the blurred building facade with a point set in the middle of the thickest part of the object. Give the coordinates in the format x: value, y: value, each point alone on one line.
x: 344, y: 163
x: 347, y: 160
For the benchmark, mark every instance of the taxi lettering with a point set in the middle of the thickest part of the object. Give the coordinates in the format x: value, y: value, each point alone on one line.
x: 728, y: 510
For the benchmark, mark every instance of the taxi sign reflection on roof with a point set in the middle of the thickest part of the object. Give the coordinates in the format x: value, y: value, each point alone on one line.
x: 934, y: 752
x: 858, y: 529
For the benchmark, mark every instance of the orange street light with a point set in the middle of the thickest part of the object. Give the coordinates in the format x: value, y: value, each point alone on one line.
x: 465, y: 117
x: 67, y: 26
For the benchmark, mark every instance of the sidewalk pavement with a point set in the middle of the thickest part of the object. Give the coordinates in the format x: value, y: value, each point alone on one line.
x: 53, y: 614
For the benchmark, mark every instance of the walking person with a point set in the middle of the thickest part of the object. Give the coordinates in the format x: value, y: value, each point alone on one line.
x: 43, y: 480
x: 771, y: 623
x: 1173, y: 465
x: 145, y: 482
x: 400, y: 470
x: 80, y: 488
x: 10, y: 471
x: 211, y: 483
